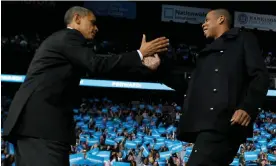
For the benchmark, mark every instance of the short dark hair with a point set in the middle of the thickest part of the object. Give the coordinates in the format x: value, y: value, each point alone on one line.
x: 68, y: 17
x: 226, y: 14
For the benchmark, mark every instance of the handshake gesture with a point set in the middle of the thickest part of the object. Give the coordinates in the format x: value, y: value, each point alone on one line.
x: 151, y: 49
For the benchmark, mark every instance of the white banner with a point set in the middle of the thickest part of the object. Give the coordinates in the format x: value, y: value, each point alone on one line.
x: 253, y: 20
x: 183, y: 14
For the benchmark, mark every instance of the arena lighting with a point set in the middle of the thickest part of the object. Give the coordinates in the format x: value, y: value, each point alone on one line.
x: 109, y: 84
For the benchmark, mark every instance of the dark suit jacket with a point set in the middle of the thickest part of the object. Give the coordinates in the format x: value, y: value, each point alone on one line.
x: 42, y: 107
x: 230, y: 74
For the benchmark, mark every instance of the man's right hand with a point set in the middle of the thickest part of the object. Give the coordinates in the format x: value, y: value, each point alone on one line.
x: 155, y: 46
x: 152, y: 62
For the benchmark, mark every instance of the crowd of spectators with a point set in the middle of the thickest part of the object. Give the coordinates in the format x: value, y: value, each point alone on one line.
x: 141, y: 133
x: 145, y: 134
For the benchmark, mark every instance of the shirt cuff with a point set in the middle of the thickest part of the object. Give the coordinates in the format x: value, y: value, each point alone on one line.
x: 140, y: 54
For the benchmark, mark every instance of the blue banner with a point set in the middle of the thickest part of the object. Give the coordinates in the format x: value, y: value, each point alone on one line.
x: 98, y: 83
x: 110, y: 84
x: 74, y: 158
x: 250, y: 156
x: 114, y: 9
x: 165, y: 155
x: 145, y: 151
x: 131, y: 145
x: 121, y: 164
x: 109, y: 142
x: 92, y: 141
x: 95, y: 159
x: 104, y: 154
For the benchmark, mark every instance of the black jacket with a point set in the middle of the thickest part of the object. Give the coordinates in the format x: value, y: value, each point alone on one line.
x: 42, y: 107
x: 230, y: 74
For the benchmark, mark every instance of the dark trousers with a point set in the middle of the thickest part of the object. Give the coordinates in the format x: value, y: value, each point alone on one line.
x: 214, y: 149
x: 39, y: 152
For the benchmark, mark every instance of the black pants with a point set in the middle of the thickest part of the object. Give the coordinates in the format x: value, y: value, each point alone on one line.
x: 214, y: 149
x: 39, y: 152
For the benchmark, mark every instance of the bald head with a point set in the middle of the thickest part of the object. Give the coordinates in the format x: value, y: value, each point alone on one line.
x: 81, y: 11
x: 225, y: 15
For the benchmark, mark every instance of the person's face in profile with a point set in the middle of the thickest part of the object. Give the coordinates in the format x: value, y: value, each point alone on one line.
x: 210, y: 25
x: 87, y: 26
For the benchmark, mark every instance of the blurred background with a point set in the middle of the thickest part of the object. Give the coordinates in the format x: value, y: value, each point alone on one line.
x: 25, y: 24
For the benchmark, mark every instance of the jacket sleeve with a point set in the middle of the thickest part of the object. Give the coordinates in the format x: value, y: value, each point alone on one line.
x: 258, y: 76
x: 84, y: 57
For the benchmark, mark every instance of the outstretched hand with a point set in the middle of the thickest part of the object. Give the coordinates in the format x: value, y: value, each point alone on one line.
x: 155, y: 46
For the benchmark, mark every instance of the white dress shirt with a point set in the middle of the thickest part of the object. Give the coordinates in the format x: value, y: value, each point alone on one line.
x: 139, y: 52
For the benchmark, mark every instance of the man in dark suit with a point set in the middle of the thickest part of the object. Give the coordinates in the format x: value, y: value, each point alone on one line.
x: 226, y: 89
x: 40, y: 119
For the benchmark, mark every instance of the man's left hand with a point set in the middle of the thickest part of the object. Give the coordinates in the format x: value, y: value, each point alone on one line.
x: 241, y: 117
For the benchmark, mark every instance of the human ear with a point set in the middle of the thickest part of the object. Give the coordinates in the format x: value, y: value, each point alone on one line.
x: 77, y: 19
x: 221, y: 19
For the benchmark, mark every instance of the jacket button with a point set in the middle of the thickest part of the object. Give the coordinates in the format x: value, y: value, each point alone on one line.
x: 211, y: 109
x: 189, y: 77
x: 215, y: 90
x: 216, y: 70
x: 185, y: 96
x: 221, y: 51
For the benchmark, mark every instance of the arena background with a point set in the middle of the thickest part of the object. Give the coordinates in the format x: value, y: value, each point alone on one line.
x: 33, y: 21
